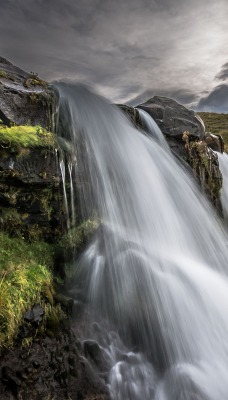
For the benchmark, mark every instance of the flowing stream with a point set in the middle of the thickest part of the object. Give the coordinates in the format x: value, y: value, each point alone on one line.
x: 155, y: 272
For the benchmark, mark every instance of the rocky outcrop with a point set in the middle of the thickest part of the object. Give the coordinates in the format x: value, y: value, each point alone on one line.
x: 24, y: 97
x: 185, y: 134
x: 173, y: 118
x: 132, y: 114
x: 31, y: 202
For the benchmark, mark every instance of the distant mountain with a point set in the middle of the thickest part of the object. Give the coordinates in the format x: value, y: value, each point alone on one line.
x: 182, y: 96
x: 216, y: 101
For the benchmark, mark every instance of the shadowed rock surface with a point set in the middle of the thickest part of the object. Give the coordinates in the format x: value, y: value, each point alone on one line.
x: 24, y: 97
x: 50, y: 368
x: 173, y: 118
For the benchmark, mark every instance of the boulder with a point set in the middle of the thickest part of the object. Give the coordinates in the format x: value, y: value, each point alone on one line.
x: 24, y: 97
x: 174, y: 119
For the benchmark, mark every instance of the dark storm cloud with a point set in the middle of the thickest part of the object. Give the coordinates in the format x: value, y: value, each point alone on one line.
x: 223, y: 74
x: 122, y: 47
x: 216, y: 101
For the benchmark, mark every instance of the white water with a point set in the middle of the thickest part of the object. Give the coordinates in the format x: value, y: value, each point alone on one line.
x: 157, y: 268
x: 152, y: 128
x: 223, y: 164
x: 63, y: 175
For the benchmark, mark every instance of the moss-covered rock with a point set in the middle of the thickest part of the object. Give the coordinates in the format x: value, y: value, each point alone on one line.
x: 19, y: 137
x: 30, y: 181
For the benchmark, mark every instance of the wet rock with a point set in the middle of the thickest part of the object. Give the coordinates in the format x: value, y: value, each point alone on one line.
x: 10, y: 379
x: 215, y: 142
x: 132, y: 114
x: 95, y: 353
x: 35, y: 315
x: 173, y: 118
x: 24, y: 97
x: 53, y: 368
x: 66, y: 302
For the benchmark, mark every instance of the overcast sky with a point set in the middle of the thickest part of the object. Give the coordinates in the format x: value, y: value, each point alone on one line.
x: 129, y: 49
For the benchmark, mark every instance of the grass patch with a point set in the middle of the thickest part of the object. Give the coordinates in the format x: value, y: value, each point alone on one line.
x: 217, y: 124
x: 26, y: 136
x: 25, y: 275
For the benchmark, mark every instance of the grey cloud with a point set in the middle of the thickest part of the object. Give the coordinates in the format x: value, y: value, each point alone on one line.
x: 223, y: 74
x: 122, y: 48
x: 216, y: 101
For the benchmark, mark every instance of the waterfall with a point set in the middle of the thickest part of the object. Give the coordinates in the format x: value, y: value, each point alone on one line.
x: 223, y: 164
x: 152, y: 128
x: 156, y: 270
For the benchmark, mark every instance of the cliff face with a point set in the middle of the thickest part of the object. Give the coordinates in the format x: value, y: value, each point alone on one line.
x: 32, y: 212
x: 30, y: 188
x: 30, y: 196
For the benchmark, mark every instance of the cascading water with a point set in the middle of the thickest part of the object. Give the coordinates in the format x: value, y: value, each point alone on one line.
x: 152, y: 128
x: 223, y: 164
x: 157, y: 267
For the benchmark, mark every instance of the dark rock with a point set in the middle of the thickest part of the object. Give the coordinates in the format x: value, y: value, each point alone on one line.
x: 215, y: 142
x: 132, y: 114
x: 10, y: 379
x: 35, y: 315
x: 24, y: 97
x: 66, y: 302
x: 54, y: 368
x: 173, y: 118
x: 31, y: 204
x: 94, y: 352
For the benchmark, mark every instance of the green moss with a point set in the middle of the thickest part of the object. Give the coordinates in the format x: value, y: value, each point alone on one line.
x: 3, y: 74
x: 26, y: 136
x: 77, y: 237
x: 217, y: 124
x: 52, y: 317
x: 25, y: 272
x: 11, y: 220
x: 45, y: 201
x: 34, y: 80
x: 6, y: 75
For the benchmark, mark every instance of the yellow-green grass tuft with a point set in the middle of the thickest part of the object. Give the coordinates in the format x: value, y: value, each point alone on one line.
x: 26, y: 136
x: 25, y: 274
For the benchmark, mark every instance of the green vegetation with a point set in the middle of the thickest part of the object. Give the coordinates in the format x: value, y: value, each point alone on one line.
x: 26, y: 136
x: 75, y: 240
x: 78, y: 236
x: 217, y: 124
x: 34, y: 80
x: 6, y: 75
x: 25, y: 279
x: 3, y: 74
